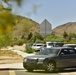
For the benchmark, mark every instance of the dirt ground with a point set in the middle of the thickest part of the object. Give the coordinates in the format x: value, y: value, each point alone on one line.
x: 9, y: 60
x: 8, y: 57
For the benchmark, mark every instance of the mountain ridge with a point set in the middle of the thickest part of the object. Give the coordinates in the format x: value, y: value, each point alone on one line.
x: 69, y: 27
x: 24, y: 27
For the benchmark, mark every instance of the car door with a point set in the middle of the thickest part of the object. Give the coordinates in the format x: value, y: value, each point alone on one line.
x: 72, y: 56
x: 63, y: 59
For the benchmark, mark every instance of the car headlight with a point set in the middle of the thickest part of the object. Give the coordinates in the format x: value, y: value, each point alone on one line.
x: 25, y: 60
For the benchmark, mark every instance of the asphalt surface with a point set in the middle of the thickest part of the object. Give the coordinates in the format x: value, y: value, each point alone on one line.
x: 36, y: 72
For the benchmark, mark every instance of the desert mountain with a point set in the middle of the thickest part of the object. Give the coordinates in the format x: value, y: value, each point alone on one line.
x: 69, y: 27
x: 24, y: 26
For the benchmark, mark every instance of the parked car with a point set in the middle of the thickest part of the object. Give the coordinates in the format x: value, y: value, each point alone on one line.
x: 51, y: 59
x: 37, y: 47
x: 54, y: 44
x: 70, y: 45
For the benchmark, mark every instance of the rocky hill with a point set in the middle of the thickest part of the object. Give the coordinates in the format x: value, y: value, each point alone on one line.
x: 68, y: 28
x: 24, y: 26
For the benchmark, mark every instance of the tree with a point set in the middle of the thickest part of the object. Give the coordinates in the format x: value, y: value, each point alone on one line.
x: 18, y: 1
x: 30, y: 36
x: 7, y: 20
x: 5, y: 40
x: 65, y: 35
x: 38, y: 38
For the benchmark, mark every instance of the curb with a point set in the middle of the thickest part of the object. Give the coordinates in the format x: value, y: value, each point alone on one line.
x: 12, y: 69
x: 4, y: 68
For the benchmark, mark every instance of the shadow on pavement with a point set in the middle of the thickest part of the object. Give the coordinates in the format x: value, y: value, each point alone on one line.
x: 12, y: 69
x: 58, y: 71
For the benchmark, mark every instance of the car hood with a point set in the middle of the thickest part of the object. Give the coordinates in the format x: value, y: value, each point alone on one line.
x: 39, y: 56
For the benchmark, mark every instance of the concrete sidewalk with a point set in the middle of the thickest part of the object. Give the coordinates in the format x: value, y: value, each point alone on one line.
x: 23, y: 54
x: 15, y: 65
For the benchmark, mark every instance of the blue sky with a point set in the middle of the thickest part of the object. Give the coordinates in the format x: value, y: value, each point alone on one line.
x: 57, y: 12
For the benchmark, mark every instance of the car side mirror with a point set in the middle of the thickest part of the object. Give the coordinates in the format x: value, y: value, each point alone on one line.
x: 61, y: 54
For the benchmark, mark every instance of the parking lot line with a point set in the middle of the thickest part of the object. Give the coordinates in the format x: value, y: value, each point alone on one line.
x: 12, y: 72
x: 68, y: 73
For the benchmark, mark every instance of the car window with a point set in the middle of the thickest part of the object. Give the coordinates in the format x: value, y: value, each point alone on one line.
x: 39, y: 45
x: 49, y: 51
x: 64, y: 52
x: 34, y: 45
x: 50, y: 44
x: 72, y: 51
x: 58, y: 44
x: 44, y: 52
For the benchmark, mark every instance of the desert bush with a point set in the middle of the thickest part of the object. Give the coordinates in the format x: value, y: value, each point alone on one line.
x: 29, y: 49
x: 19, y: 42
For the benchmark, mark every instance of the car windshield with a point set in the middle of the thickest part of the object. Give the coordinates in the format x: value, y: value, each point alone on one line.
x: 49, y: 51
x: 39, y: 45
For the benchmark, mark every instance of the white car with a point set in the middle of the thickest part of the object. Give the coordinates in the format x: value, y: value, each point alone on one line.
x: 54, y: 44
x: 37, y: 47
x: 70, y: 45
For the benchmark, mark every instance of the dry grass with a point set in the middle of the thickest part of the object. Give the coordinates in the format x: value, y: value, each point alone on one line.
x: 8, y: 53
x: 8, y: 56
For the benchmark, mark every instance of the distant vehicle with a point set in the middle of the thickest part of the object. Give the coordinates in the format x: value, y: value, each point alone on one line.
x: 54, y: 44
x: 37, y: 47
x: 51, y: 59
x: 70, y: 45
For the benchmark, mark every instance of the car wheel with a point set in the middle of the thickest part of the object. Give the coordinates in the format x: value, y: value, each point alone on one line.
x: 50, y: 67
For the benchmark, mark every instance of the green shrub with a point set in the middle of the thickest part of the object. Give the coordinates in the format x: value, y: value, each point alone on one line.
x: 19, y: 42
x: 5, y: 39
x: 29, y: 49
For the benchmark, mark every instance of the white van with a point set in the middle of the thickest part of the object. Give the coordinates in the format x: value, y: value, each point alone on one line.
x: 54, y: 44
x: 49, y: 44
